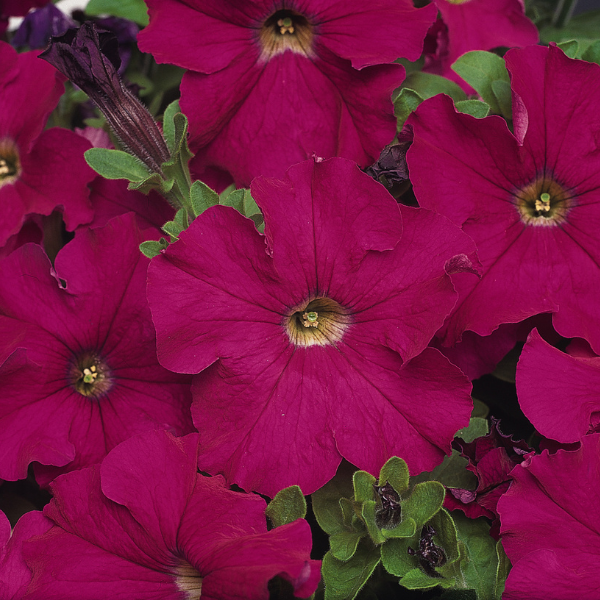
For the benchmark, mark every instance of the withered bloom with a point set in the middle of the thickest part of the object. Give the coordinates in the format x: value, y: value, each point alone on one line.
x: 89, y: 57
x: 389, y: 513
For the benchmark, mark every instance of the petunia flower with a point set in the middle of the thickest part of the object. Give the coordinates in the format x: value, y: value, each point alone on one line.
x: 15, y: 575
x: 272, y: 83
x: 550, y: 525
x: 557, y: 392
x: 40, y: 171
x: 16, y: 8
x: 467, y: 25
x: 146, y: 524
x: 315, y: 349
x: 78, y: 370
x: 531, y: 201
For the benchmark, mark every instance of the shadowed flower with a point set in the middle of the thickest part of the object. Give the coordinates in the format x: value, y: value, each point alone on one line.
x: 476, y: 25
x: 314, y: 349
x: 146, y: 524
x: 273, y: 83
x: 550, y: 525
x: 78, y: 362
x: 40, y: 171
x: 531, y: 201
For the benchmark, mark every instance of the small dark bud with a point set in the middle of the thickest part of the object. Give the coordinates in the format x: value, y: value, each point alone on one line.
x: 391, y: 168
x: 89, y: 57
x: 388, y: 512
x: 429, y: 554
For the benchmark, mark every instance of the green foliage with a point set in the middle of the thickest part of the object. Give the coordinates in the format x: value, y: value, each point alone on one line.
x: 116, y: 164
x: 134, y: 10
x: 583, y: 28
x: 152, y: 248
x: 477, y: 427
x: 418, y: 87
x: 475, y: 108
x: 288, y: 506
x: 487, y: 74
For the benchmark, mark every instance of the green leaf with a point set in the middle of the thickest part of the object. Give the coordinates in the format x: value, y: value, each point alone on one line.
x: 417, y: 579
x: 480, y: 69
x: 502, y: 571
x: 343, y: 580
x: 424, y: 502
x: 503, y: 93
x: 343, y: 545
x: 243, y: 202
x: 475, y: 108
x: 177, y: 225
x: 363, y: 483
x: 288, y: 506
x: 368, y: 514
x: 481, y: 568
x: 395, y: 472
x: 152, y: 248
x: 116, y: 164
x: 428, y: 85
x: 569, y: 47
x: 480, y: 409
x: 406, y: 102
x: 583, y: 28
x: 134, y: 10
x: 592, y: 54
x: 202, y: 197
x: 452, y: 472
x: 326, y: 501
x: 169, y: 126
x: 478, y: 427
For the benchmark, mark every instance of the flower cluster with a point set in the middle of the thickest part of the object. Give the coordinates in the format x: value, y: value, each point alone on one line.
x: 322, y: 330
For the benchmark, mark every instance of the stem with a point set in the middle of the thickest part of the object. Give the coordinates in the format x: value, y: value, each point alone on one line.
x: 563, y: 12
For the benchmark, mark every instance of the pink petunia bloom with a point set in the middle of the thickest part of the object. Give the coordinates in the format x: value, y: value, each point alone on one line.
x: 78, y: 367
x: 551, y: 527
x: 531, y: 201
x: 467, y: 25
x: 558, y: 393
x: 39, y: 170
x: 315, y: 349
x: 15, y: 575
x: 273, y: 83
x: 146, y: 524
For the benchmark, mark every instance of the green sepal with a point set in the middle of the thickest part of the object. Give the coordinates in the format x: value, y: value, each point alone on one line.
x: 349, y: 515
x: 501, y: 571
x: 480, y: 70
x: 133, y: 10
x: 343, y: 580
x: 569, y: 47
x: 424, y: 502
x: 152, y: 248
x: 116, y: 164
x: 363, y: 483
x: 405, y: 103
x: 288, y: 506
x: 202, y: 197
x: 368, y: 514
x: 177, y: 225
x: 477, y: 428
x: 592, y: 54
x: 326, y: 501
x: 475, y: 108
x: 343, y: 544
x: 168, y: 124
x: 395, y: 472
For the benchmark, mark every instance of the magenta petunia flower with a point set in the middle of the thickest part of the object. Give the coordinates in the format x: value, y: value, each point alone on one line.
x: 273, y: 83
x: 39, y: 171
x: 558, y: 393
x: 550, y: 525
x: 15, y: 575
x: 531, y: 201
x: 146, y: 524
x: 477, y: 25
x: 313, y: 350
x: 78, y: 370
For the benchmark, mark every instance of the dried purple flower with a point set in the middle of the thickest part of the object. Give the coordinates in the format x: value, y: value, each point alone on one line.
x: 389, y: 513
x: 89, y: 57
x: 430, y: 555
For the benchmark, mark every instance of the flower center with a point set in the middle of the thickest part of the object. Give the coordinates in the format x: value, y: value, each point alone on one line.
x: 188, y: 581
x: 90, y: 376
x: 10, y: 165
x: 285, y: 30
x: 544, y: 202
x: 320, y: 322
